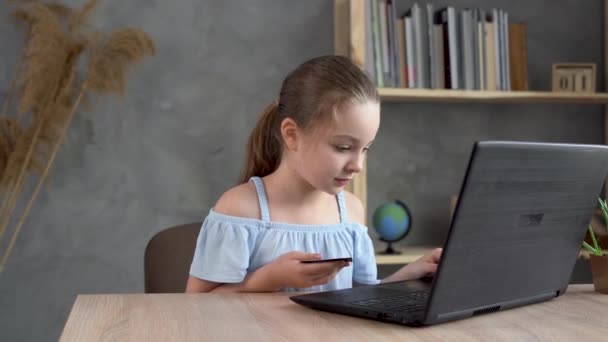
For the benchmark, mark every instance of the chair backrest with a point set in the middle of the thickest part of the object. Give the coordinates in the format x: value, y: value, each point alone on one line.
x: 168, y: 257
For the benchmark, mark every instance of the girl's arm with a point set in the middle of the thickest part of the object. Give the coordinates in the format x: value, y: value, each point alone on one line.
x: 285, y: 271
x: 423, y: 267
x: 257, y: 281
x: 196, y: 285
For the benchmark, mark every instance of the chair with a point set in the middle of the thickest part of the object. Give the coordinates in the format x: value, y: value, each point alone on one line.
x: 167, y: 258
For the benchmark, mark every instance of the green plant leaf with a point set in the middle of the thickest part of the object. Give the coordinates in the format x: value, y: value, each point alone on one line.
x: 604, y: 207
x: 595, y: 245
x: 591, y: 249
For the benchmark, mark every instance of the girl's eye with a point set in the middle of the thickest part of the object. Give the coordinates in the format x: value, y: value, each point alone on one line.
x: 342, y: 148
x: 365, y: 149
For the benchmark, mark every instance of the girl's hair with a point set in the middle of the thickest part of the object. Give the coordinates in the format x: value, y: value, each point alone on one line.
x: 310, y: 95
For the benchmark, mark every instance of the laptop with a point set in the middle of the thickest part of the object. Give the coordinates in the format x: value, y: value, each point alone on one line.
x: 522, y: 214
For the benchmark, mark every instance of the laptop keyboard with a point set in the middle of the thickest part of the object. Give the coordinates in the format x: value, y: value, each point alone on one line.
x: 404, y: 302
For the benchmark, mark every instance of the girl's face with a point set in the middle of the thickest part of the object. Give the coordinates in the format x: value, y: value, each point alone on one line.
x: 329, y: 157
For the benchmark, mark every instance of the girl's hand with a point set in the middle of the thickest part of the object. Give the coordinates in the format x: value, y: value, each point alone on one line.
x: 288, y: 270
x: 423, y: 267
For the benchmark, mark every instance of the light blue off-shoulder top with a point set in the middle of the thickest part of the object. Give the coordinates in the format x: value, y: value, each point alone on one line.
x: 229, y: 247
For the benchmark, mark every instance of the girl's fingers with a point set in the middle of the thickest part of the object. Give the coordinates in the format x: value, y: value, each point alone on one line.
x: 431, y: 268
x: 325, y: 279
x: 437, y: 254
x: 304, y: 256
x: 321, y: 268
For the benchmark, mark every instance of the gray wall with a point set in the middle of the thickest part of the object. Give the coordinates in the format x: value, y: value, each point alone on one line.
x: 164, y: 155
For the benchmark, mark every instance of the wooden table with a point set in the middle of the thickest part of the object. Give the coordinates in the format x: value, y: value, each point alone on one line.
x: 579, y: 315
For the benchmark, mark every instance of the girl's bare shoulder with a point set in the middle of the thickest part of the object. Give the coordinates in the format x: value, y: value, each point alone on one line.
x: 240, y: 201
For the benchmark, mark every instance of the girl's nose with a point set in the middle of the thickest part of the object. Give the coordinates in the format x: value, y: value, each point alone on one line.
x: 356, y: 165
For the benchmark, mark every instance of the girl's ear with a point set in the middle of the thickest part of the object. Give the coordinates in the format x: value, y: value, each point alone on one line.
x: 290, y: 134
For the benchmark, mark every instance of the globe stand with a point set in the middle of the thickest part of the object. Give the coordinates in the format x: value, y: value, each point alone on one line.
x: 389, y: 249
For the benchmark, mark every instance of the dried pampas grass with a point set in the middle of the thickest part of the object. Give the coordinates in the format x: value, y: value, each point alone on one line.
x: 113, y: 55
x: 47, y: 90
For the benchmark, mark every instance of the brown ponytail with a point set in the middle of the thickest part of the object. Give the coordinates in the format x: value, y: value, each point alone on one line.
x: 310, y: 95
x: 264, y: 146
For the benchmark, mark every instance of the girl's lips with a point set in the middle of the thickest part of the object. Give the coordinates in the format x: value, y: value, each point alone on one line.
x: 342, y: 181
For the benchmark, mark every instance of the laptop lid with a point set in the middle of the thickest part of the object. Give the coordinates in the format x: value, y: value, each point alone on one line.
x: 522, y: 214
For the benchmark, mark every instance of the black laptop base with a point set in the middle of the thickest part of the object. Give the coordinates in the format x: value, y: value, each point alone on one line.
x: 401, y: 302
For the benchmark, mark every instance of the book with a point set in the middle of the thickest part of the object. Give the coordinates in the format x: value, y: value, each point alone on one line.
x: 439, y: 57
x: 402, y: 52
x: 432, y: 47
x: 491, y: 69
x: 518, y: 56
x: 483, y: 63
x: 421, y: 47
x: 391, y: 20
x: 506, y: 56
x: 468, y: 49
x: 410, y: 56
x: 377, y: 43
x: 369, y: 67
x: 497, y: 48
x: 386, y: 66
x: 449, y: 21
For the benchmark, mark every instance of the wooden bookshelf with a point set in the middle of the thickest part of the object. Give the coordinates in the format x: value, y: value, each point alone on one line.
x: 413, y: 253
x: 408, y: 255
x: 471, y: 96
x: 349, y: 40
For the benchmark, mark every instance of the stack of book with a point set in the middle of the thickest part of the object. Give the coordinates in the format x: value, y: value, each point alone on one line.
x: 447, y: 48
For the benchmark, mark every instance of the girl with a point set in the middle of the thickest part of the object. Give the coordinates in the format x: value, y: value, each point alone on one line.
x: 290, y: 205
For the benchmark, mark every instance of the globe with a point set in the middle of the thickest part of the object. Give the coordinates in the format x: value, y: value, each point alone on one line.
x: 392, y: 221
